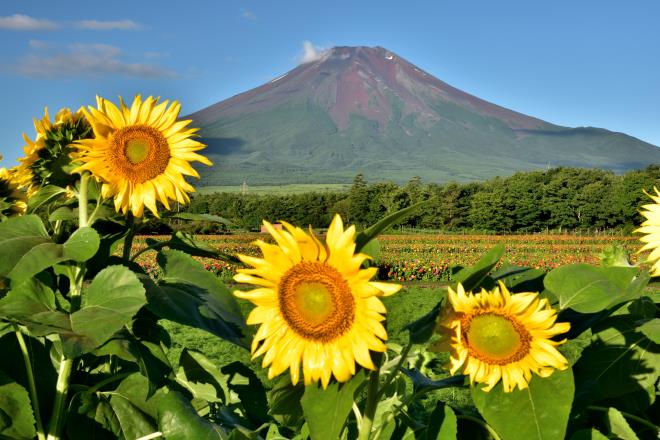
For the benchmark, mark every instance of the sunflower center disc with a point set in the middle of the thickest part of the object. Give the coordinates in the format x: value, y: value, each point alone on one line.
x: 139, y: 153
x: 496, y: 338
x: 137, y: 150
x: 316, y: 301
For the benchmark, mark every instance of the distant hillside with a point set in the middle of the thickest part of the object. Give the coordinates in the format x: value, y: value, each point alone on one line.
x: 367, y: 110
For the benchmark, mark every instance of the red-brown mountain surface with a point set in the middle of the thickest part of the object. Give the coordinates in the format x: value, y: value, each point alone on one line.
x: 367, y: 110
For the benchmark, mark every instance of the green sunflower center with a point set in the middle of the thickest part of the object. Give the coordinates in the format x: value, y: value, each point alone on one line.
x: 496, y: 339
x: 316, y: 301
x: 137, y: 150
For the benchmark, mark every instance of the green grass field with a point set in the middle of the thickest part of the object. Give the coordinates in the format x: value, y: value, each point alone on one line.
x: 277, y: 189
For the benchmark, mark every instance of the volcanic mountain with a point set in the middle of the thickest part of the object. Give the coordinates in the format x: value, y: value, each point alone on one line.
x: 367, y: 110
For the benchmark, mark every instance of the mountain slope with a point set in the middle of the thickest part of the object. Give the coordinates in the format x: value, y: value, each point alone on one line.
x: 360, y: 109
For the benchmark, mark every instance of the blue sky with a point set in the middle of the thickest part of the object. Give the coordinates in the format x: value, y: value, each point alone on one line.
x: 574, y: 63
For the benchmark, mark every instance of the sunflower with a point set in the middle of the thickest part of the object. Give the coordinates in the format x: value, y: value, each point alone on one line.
x: 651, y: 227
x: 12, y: 199
x: 140, y: 153
x: 495, y: 335
x: 316, y: 307
x: 47, y: 158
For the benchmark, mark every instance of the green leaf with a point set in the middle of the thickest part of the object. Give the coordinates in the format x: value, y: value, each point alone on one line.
x: 82, y: 245
x: 520, y: 279
x: 43, y: 196
x: 178, y: 420
x: 17, y: 419
x: 63, y: 213
x: 423, y: 384
x: 250, y: 390
x: 198, y: 369
x: 588, y: 434
x: 326, y: 410
x: 651, y: 329
x: 187, y: 243
x: 110, y: 302
x: 442, y: 424
x: 133, y: 422
x: 620, y: 360
x: 421, y: 330
x: 545, y: 404
x: 190, y: 295
x: 471, y: 277
x: 619, y: 426
x: 32, y: 251
x: 32, y: 303
x: 284, y: 401
x: 198, y: 217
x: 373, y: 250
x: 590, y: 289
x: 17, y: 236
x: 372, y: 232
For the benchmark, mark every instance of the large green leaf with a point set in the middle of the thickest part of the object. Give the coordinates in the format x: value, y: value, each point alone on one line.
x: 651, y: 329
x: 372, y: 232
x: 190, y: 295
x: 17, y: 236
x: 16, y: 417
x: 108, y: 303
x: 620, y: 360
x: 250, y: 390
x: 197, y: 369
x: 29, y: 250
x: 539, y: 412
x: 619, y: 426
x: 442, y: 424
x: 588, y: 434
x: 43, y: 196
x: 284, y: 401
x: 590, y: 289
x: 32, y: 303
x: 471, y: 277
x: 187, y: 243
x: 178, y: 420
x: 422, y: 384
x: 326, y: 410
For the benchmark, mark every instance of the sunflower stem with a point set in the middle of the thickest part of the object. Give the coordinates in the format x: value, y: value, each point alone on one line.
x: 82, y: 200
x: 637, y: 419
x: 371, y: 405
x: 483, y: 424
x: 66, y: 364
x: 41, y: 434
x: 390, y: 377
x: 128, y: 240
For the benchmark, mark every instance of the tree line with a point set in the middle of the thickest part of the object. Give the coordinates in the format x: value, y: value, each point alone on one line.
x: 555, y: 199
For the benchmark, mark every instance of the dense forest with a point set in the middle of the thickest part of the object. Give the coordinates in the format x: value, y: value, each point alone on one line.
x: 555, y: 199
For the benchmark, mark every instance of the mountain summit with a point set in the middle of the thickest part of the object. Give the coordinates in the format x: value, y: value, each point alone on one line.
x: 363, y: 109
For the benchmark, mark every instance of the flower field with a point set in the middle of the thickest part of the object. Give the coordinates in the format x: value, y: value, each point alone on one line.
x: 430, y: 257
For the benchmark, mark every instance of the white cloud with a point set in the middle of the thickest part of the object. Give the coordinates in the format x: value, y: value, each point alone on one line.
x: 248, y: 15
x: 311, y: 53
x: 85, y: 60
x: 20, y: 22
x: 97, y: 25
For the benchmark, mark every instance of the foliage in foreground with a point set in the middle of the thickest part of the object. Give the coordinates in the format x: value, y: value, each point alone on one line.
x: 85, y: 354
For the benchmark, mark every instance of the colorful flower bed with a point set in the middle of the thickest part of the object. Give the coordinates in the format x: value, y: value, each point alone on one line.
x: 431, y: 257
